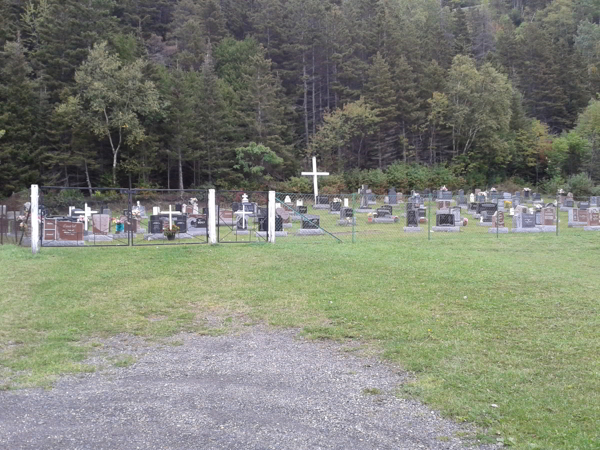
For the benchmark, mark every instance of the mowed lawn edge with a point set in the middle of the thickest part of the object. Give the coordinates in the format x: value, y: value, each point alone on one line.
x: 502, y: 333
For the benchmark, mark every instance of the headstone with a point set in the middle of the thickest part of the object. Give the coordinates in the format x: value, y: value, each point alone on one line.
x: 462, y: 200
x: 537, y: 197
x: 594, y: 218
x: 335, y: 206
x: 70, y: 231
x: 392, y: 196
x: 527, y: 193
x: 302, y: 209
x: 412, y: 219
x: 311, y: 222
x: 322, y: 200
x: 287, y: 200
x: 155, y: 210
x: 446, y: 195
x: 364, y: 199
x: 381, y: 212
x: 471, y: 198
x: 584, y: 205
x: 443, y: 204
x: 444, y: 220
x: 594, y: 201
x: 100, y: 223
x: 548, y: 216
x: 480, y: 198
x: 299, y: 203
x: 583, y: 215
x: 528, y: 220
x: 346, y: 202
x: 488, y: 207
x: 346, y: 212
x: 498, y: 219
x: 155, y: 224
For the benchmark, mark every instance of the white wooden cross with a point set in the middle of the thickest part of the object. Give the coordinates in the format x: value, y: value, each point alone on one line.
x: 243, y: 213
x: 170, y: 213
x: 315, y: 174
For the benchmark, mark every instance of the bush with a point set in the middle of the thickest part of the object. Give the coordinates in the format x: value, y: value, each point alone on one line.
x: 581, y: 185
x: 333, y: 184
x: 301, y: 185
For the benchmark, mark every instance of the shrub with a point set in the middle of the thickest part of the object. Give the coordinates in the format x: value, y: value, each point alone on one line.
x: 581, y: 185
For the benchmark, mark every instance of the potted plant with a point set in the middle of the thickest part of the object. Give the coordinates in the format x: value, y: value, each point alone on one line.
x: 171, y: 232
x: 119, y: 224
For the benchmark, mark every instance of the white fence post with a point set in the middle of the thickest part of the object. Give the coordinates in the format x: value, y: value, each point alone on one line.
x: 271, y: 217
x: 212, y: 217
x: 34, y: 214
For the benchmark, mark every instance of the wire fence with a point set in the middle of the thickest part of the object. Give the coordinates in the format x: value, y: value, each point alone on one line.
x: 76, y: 217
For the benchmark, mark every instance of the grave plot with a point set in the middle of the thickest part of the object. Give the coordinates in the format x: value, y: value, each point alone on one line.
x: 162, y: 216
x: 76, y: 217
x: 309, y: 218
x: 15, y: 220
x: 242, y: 217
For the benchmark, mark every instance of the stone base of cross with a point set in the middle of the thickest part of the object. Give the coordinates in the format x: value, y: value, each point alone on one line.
x: 315, y: 174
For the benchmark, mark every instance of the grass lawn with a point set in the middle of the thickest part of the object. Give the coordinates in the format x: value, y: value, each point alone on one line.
x: 503, y: 332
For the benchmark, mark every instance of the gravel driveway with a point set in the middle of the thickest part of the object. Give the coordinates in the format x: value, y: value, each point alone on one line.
x: 258, y: 389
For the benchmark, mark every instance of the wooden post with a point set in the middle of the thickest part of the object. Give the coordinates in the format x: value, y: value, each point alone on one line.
x: 212, y: 217
x: 271, y: 219
x: 35, y: 225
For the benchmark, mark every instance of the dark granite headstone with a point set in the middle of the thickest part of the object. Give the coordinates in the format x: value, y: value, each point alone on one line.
x: 388, y: 207
x: 263, y: 224
x: 446, y: 195
x: 411, y: 218
x: 178, y: 207
x: 584, y: 205
x: 537, y: 197
x: 488, y: 207
x: 583, y: 215
x: 528, y: 220
x: 335, y: 206
x: 155, y: 225
x: 346, y: 212
x: 310, y: 222
x: 381, y: 212
x: 444, y: 220
x: 302, y: 209
x: 569, y: 203
x: 322, y: 200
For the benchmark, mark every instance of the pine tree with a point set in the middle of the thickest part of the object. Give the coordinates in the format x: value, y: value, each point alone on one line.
x: 380, y: 93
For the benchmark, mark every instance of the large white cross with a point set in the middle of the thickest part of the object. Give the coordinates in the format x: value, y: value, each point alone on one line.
x: 315, y: 174
x: 243, y: 213
x: 170, y: 213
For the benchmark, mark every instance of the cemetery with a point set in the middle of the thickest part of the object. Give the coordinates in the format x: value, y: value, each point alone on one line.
x: 149, y: 217
x: 396, y: 227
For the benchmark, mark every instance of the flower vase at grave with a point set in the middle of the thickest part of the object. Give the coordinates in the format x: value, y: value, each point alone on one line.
x: 170, y: 237
x: 120, y: 227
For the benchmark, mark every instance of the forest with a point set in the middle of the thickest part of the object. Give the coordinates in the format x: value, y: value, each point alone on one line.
x: 242, y: 93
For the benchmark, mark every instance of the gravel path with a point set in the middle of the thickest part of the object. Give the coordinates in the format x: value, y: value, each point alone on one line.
x: 258, y: 389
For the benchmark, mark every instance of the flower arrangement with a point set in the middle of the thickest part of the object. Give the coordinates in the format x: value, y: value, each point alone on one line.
x: 118, y: 220
x: 136, y: 214
x: 171, y: 231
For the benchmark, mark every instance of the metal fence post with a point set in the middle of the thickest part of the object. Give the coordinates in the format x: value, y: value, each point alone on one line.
x: 429, y: 218
x: 557, y: 212
x: 34, y: 214
x: 212, y: 217
x: 353, y: 217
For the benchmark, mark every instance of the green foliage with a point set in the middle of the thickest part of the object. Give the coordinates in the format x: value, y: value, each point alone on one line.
x: 56, y: 201
x: 581, y: 185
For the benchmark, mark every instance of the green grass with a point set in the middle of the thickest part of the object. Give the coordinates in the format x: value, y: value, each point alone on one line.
x: 499, y: 332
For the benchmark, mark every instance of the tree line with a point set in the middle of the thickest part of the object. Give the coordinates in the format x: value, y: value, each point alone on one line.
x: 241, y: 93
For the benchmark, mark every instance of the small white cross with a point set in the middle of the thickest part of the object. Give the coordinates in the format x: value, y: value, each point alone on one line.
x: 87, y: 214
x: 315, y: 174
